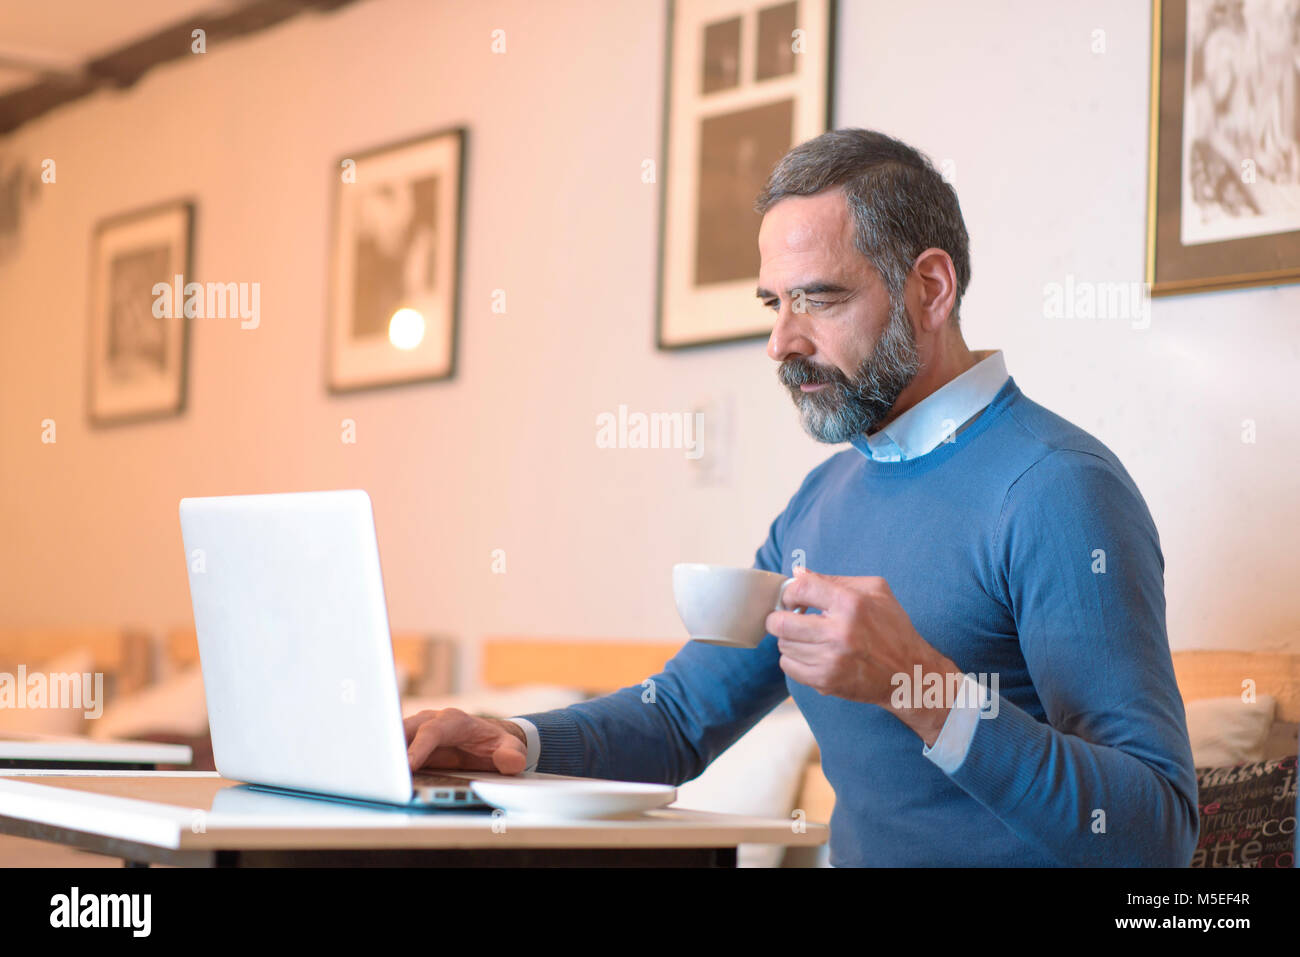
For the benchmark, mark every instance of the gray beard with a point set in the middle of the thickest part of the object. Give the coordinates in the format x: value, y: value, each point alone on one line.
x: 850, y: 407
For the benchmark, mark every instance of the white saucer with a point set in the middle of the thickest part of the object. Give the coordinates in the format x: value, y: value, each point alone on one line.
x: 565, y: 797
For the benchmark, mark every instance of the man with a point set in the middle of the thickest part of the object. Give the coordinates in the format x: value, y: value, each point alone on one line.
x: 967, y: 531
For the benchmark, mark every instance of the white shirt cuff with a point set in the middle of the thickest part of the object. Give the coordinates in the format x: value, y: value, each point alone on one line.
x: 534, y: 742
x: 950, y: 747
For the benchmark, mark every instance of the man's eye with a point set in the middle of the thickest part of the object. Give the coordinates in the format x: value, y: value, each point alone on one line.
x: 776, y: 303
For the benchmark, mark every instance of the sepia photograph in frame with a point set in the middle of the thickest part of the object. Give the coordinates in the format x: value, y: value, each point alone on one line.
x: 745, y: 81
x: 395, y: 276
x: 137, y: 360
x: 1224, y: 178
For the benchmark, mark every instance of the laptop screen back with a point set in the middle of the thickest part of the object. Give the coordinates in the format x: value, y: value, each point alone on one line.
x: 294, y: 642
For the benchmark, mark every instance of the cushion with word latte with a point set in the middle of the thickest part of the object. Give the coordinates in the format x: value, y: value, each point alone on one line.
x: 1248, y: 815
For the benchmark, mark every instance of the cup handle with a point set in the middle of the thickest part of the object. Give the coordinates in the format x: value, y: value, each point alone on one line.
x: 780, y: 596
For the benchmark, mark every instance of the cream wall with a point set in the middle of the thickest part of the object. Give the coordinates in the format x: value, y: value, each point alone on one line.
x: 1049, y: 145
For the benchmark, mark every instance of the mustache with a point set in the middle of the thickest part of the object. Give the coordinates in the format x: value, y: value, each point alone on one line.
x: 797, y: 372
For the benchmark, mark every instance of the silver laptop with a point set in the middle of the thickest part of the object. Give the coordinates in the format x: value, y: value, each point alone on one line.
x: 295, y: 649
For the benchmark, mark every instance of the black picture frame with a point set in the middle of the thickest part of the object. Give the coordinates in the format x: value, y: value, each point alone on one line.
x: 456, y: 139
x: 110, y: 403
x: 667, y: 338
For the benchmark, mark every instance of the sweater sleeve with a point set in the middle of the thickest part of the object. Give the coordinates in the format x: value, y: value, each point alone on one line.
x: 1108, y: 780
x: 669, y: 728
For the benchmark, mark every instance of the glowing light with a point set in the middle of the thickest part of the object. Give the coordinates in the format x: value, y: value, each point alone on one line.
x: 406, y: 329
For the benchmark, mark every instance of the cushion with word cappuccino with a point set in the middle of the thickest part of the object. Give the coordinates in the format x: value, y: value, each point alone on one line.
x: 1248, y: 815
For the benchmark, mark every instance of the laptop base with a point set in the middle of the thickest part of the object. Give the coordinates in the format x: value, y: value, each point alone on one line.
x: 433, y: 804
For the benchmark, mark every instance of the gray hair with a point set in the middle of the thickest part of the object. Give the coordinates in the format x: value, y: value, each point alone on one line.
x: 900, y: 204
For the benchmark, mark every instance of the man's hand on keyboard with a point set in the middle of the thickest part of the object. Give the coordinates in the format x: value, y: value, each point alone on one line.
x: 450, y: 738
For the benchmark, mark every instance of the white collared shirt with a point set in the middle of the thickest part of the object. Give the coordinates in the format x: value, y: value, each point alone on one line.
x: 939, y: 416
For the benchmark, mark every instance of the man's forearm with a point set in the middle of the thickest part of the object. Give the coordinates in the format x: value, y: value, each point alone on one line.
x: 1085, y: 804
x: 667, y: 729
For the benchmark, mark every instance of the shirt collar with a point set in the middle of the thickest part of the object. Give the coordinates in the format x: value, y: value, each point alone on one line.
x: 939, y: 415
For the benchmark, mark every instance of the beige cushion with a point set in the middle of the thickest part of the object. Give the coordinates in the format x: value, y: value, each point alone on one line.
x: 759, y: 775
x: 175, y: 706
x: 1227, y: 731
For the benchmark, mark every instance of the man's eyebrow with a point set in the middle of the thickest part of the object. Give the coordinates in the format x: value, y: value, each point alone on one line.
x: 811, y: 289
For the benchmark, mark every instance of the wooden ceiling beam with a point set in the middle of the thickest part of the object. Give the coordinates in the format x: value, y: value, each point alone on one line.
x: 122, y: 67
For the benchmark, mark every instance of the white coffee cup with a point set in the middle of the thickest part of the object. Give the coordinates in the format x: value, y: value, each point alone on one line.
x: 723, y: 605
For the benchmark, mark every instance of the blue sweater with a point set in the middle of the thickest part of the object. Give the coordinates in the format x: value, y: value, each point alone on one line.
x: 1022, y: 548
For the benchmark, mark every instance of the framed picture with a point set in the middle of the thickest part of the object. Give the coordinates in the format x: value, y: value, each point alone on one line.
x: 1224, y: 181
x: 394, y: 286
x: 746, y: 81
x: 138, y: 339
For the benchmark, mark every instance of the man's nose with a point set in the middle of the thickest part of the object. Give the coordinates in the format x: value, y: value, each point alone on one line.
x: 787, y: 339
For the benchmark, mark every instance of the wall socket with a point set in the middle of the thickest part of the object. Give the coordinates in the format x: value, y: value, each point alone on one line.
x: 717, y: 440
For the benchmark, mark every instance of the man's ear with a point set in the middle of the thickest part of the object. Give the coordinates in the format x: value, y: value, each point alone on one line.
x: 935, y: 281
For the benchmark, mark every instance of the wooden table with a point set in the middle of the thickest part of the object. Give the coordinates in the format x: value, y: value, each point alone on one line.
x: 199, y: 819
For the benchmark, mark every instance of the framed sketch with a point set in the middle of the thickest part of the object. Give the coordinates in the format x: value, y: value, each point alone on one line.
x: 746, y: 81
x: 1224, y: 180
x: 138, y: 340
x: 394, y: 285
